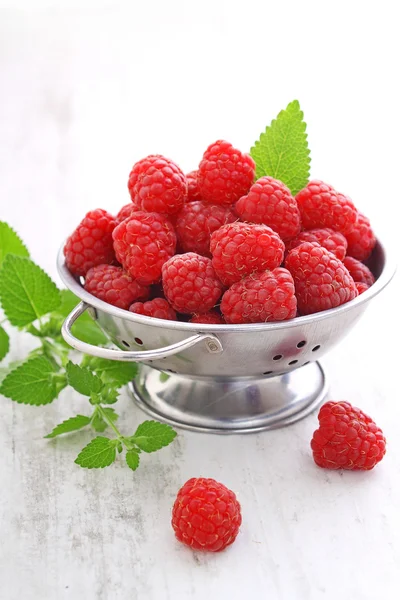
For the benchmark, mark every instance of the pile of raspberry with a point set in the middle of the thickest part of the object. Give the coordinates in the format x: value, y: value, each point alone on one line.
x: 218, y: 246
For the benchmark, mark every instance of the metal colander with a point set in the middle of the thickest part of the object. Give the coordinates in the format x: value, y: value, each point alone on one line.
x: 224, y: 378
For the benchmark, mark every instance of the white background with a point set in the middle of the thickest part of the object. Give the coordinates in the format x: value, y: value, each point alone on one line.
x: 86, y: 89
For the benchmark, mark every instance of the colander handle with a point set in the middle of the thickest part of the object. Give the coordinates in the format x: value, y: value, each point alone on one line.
x: 212, y: 343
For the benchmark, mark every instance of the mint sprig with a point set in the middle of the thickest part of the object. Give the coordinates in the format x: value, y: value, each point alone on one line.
x: 282, y: 149
x: 32, y: 302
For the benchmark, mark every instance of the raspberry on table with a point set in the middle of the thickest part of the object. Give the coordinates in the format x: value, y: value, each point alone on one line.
x: 208, y: 318
x: 359, y: 272
x: 156, y: 184
x: 322, y: 206
x: 206, y: 515
x: 125, y: 212
x: 157, y: 308
x: 361, y: 287
x: 347, y: 438
x: 269, y: 201
x: 361, y: 239
x: 240, y: 249
x: 225, y: 174
x: 321, y: 280
x: 190, y: 283
x: 195, y: 223
x: 114, y: 285
x: 143, y: 243
x: 333, y: 241
x: 261, y: 298
x: 91, y: 243
x: 193, y: 187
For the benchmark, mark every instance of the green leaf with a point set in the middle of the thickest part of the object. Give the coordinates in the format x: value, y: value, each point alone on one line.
x: 99, y: 453
x: 115, y: 372
x: 98, y: 422
x: 282, y: 150
x: 132, y: 459
x: 164, y: 377
x: 34, y: 382
x: 83, y: 380
x: 26, y: 292
x: 72, y: 424
x: 84, y: 328
x: 152, y: 435
x: 4, y: 343
x: 10, y: 242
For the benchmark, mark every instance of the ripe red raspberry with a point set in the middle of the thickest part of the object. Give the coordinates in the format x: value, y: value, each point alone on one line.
x: 157, y: 308
x: 321, y: 206
x: 208, y: 318
x: 269, y: 201
x: 225, y: 174
x: 125, y: 212
x: 114, y: 285
x: 91, y: 243
x: 361, y: 239
x: 190, y: 283
x: 195, y: 223
x: 193, y: 187
x: 333, y: 241
x: 240, y: 249
x: 156, y: 184
x: 359, y: 272
x: 260, y: 298
x: 143, y: 243
x: 361, y: 287
x: 206, y: 515
x: 321, y: 280
x: 347, y: 438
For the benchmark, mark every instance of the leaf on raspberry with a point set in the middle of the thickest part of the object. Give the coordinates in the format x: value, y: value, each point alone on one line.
x: 34, y: 382
x: 99, y: 453
x: 152, y: 435
x: 10, y: 242
x: 83, y: 380
x: 4, y: 343
x: 132, y: 459
x: 69, y: 425
x: 282, y: 151
x: 26, y: 291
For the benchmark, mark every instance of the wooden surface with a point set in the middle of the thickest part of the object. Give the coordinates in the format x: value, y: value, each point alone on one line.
x: 84, y: 95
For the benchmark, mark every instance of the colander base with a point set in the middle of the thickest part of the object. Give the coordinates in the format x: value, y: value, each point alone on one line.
x: 230, y: 405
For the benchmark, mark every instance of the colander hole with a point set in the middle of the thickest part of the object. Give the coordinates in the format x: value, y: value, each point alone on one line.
x: 138, y: 341
x: 293, y: 362
x: 267, y: 372
x: 306, y: 363
x: 125, y: 343
x: 317, y: 347
x: 170, y: 371
x: 277, y: 357
x: 301, y: 344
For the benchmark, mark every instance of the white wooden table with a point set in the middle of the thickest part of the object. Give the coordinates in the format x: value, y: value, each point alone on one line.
x: 84, y: 95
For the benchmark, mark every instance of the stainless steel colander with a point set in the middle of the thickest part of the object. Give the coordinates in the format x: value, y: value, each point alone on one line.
x: 224, y: 378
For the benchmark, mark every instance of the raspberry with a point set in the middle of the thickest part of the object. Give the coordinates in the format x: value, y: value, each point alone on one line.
x: 333, y: 241
x: 157, y: 308
x: 193, y: 187
x: 361, y: 287
x: 91, y: 243
x: 225, y: 174
x: 125, y: 212
x: 321, y: 206
x: 321, y: 280
x: 361, y: 239
x: 359, y: 272
x: 208, y: 318
x: 347, y: 438
x: 190, y: 283
x: 240, y: 249
x: 114, y: 285
x: 195, y: 223
x: 206, y: 515
x: 262, y: 297
x: 143, y: 243
x: 269, y: 201
x: 156, y: 184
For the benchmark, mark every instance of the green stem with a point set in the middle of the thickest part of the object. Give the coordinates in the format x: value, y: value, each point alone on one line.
x: 109, y: 422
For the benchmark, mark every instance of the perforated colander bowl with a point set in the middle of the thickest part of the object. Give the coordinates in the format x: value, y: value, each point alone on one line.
x: 224, y: 378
